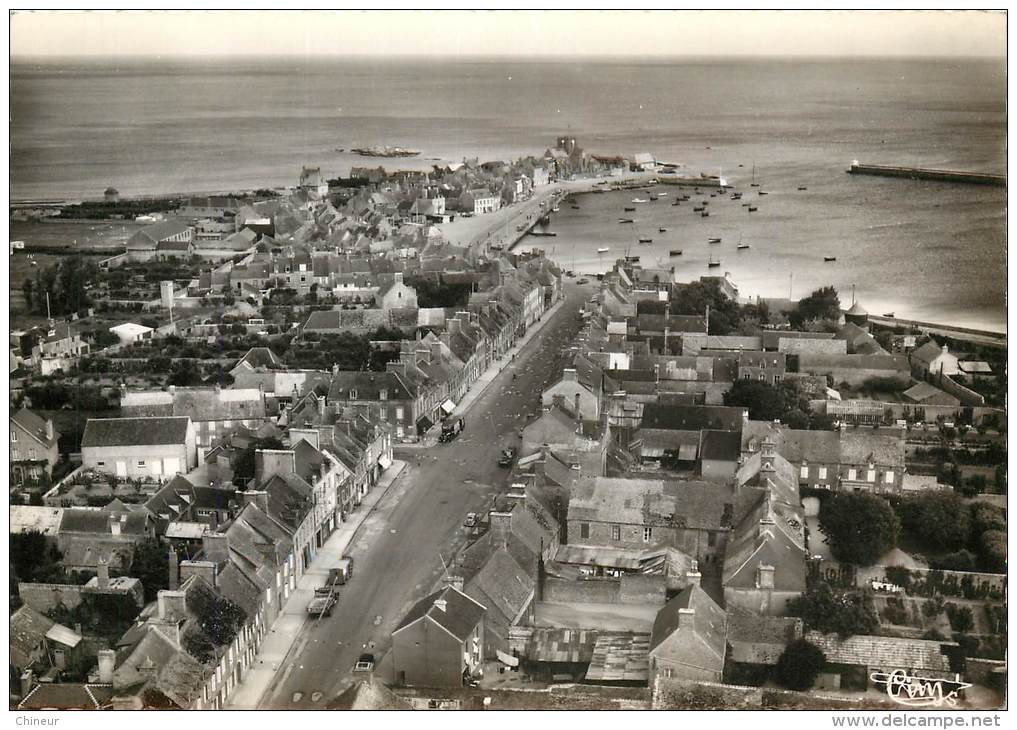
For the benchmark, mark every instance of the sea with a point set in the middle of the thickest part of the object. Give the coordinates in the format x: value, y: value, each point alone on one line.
x: 924, y: 250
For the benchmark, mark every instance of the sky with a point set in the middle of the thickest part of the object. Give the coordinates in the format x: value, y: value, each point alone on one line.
x: 509, y: 33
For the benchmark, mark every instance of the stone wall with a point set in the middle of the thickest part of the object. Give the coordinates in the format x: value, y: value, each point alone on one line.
x: 44, y: 597
x: 643, y: 589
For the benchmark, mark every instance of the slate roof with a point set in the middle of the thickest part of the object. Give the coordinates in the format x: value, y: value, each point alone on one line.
x: 692, y: 418
x: 27, y: 518
x: 649, y: 501
x: 703, y: 644
x: 890, y: 363
x: 859, y: 447
x: 772, y: 338
x: 460, y: 617
x: 926, y: 353
x: 60, y: 696
x: 28, y: 629
x: 35, y: 426
x: 923, y: 391
x: 779, y: 543
x: 503, y: 586
x: 721, y: 446
x: 135, y: 431
x: 758, y: 638
x: 883, y: 652
x: 367, y: 386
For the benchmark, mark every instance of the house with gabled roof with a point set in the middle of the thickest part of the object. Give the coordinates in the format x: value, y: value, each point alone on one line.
x: 439, y: 642
x: 167, y: 239
x: 34, y: 447
x: 139, y: 448
x: 689, y: 638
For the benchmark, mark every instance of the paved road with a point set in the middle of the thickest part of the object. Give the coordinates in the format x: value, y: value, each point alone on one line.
x: 397, y: 551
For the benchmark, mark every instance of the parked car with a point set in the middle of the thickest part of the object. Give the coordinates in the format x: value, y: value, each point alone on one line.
x: 322, y: 603
x: 451, y: 428
x: 583, y: 280
x: 365, y: 663
x: 507, y: 457
x: 471, y: 519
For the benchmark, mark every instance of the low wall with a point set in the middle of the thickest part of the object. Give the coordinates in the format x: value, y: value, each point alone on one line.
x: 679, y: 694
x: 44, y: 597
x: 984, y: 584
x: 985, y: 671
x: 642, y: 589
x: 966, y: 396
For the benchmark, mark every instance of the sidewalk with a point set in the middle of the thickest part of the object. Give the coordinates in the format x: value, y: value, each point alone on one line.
x: 283, y: 635
x: 485, y: 379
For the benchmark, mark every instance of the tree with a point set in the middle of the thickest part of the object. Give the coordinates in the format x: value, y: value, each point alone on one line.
x: 821, y: 304
x: 150, y: 565
x: 859, y: 527
x: 799, y: 665
x: 993, y: 550
x: 185, y: 372
x: 34, y: 559
x: 693, y: 298
x: 940, y: 520
x: 765, y: 402
x: 823, y: 610
x: 962, y: 618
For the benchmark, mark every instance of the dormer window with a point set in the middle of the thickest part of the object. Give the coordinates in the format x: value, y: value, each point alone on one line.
x: 353, y: 393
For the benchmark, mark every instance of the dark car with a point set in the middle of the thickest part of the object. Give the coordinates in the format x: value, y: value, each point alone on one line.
x: 507, y: 457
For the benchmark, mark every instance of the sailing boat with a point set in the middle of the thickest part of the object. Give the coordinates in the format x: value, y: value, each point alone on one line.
x: 711, y: 263
x: 754, y: 183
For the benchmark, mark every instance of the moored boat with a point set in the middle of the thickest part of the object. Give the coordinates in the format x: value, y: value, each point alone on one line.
x: 675, y: 252
x: 705, y: 214
x: 713, y: 240
x: 630, y: 210
x: 625, y: 220
x: 753, y: 209
x: 743, y: 246
x: 829, y: 258
x: 662, y: 229
x: 603, y: 249
x: 646, y: 240
x: 697, y: 209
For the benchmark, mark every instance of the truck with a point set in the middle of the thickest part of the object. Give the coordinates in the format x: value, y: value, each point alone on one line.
x: 451, y: 428
x: 322, y: 604
x: 340, y: 575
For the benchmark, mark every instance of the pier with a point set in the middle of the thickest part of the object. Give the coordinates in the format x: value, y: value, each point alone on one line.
x: 918, y: 173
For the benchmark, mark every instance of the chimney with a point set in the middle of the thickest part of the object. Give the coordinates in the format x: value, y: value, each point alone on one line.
x: 435, y: 352
x: 216, y: 547
x: 656, y: 371
x: 686, y: 617
x: 172, y: 605
x: 114, y: 524
x: 27, y: 682
x: 693, y: 576
x: 454, y: 325
x: 102, y: 579
x: 398, y: 276
x: 569, y: 375
x: 454, y: 581
x: 49, y: 430
x: 258, y: 498
x: 174, y: 570
x: 202, y: 568
x: 321, y: 406
x: 501, y: 528
x: 578, y: 412
x: 441, y: 604
x: 172, y: 390
x: 764, y: 576
x: 107, y: 662
x: 269, y: 462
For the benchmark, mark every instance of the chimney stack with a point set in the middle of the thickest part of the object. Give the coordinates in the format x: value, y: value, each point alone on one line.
x: 114, y: 524
x: 454, y: 581
x: 693, y: 576
x: 764, y: 576
x: 258, y: 498
x: 215, y: 547
x: 49, y: 429
x: 107, y: 662
x: 172, y: 605
x: 102, y: 579
x: 686, y: 617
x: 174, y: 570
x: 569, y: 375
x: 501, y: 528
x: 441, y: 604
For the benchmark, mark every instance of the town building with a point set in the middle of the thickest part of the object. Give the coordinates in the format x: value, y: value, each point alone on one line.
x: 34, y: 448
x: 139, y: 448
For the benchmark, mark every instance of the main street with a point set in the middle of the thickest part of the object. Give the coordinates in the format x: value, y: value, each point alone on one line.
x: 399, y: 550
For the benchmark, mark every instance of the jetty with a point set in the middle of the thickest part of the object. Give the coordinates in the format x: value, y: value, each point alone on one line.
x: 919, y: 173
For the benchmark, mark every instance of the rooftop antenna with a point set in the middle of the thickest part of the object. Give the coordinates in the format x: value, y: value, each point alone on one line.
x: 790, y: 286
x: 852, y: 295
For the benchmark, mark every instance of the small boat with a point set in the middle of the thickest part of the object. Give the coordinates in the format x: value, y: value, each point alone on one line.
x: 575, y: 207
x: 603, y: 249
x: 714, y: 240
x: 828, y: 259
x: 763, y: 192
x: 698, y: 210
x: 630, y: 210
x: 746, y: 205
x: 646, y: 240
x: 706, y: 202
x: 753, y: 209
x: 662, y: 230
x: 743, y: 246
x: 753, y: 185
x: 802, y: 187
x: 626, y: 220
x: 661, y: 195
x: 736, y: 196
x: 653, y: 198
x: 889, y: 314
x: 705, y: 214
x: 675, y: 252
x: 555, y: 209
x: 677, y: 202
x: 640, y: 200
x: 712, y: 264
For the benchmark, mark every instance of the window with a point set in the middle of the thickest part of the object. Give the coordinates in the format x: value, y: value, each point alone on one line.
x: 141, y: 463
x: 888, y: 477
x: 616, y: 532
x: 353, y: 393
x: 584, y: 530
x: 647, y: 534
x: 746, y: 376
x: 804, y: 473
x: 14, y: 436
x: 711, y: 539
x: 400, y: 412
x: 871, y: 475
x: 14, y: 455
x: 100, y: 463
x: 852, y: 474
x: 822, y: 472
